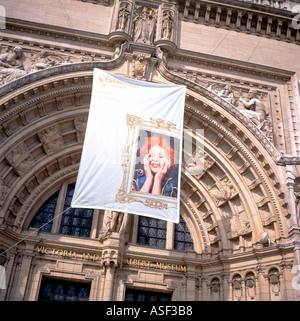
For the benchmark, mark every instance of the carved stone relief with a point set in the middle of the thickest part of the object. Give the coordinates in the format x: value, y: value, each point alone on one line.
x: 167, y: 24
x: 252, y: 103
x: 3, y: 191
x: 274, y: 284
x: 143, y: 62
x: 144, y: 25
x: 250, y: 287
x: 80, y: 125
x: 51, y: 139
x: 215, y: 290
x: 20, y: 159
x: 113, y: 222
x: 123, y: 16
x: 16, y: 62
x: 237, y: 290
x: 222, y: 191
x: 11, y: 65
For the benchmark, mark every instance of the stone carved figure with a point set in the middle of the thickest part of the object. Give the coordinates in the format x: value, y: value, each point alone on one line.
x: 215, y: 290
x: 167, y: 25
x: 123, y: 17
x: 3, y: 191
x: 250, y: 287
x: 237, y: 288
x: 274, y: 284
x: 113, y: 222
x: 297, y: 195
x: 144, y: 27
x: 238, y: 224
x: 51, y: 139
x: 228, y: 95
x: 44, y: 60
x: 80, y: 125
x: 222, y: 191
x: 20, y: 159
x: 255, y: 109
x: 11, y: 66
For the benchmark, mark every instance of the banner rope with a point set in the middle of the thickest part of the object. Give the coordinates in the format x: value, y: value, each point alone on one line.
x: 34, y: 232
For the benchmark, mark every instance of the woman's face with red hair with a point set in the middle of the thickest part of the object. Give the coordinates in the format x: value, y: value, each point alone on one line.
x: 160, y: 152
x: 157, y: 158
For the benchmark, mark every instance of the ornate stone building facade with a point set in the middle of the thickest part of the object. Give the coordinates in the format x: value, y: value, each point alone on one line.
x: 238, y: 238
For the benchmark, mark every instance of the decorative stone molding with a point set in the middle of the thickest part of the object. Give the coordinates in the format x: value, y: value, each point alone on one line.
x: 272, y: 21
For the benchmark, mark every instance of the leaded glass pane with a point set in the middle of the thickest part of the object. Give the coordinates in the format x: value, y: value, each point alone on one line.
x: 141, y: 295
x: 83, y: 294
x: 61, y: 290
x: 71, y: 293
x: 45, y: 214
x: 182, y: 237
x: 152, y: 232
x: 75, y: 221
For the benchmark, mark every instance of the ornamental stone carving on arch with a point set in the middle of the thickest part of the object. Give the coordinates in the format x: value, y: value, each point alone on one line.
x: 240, y: 144
x: 259, y: 178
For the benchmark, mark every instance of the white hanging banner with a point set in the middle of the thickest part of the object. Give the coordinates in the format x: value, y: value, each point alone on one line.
x: 131, y: 156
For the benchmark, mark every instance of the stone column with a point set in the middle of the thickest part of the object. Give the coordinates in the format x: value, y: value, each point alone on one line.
x: 225, y: 290
x: 24, y: 272
x: 190, y: 287
x: 108, y: 286
x: 263, y: 287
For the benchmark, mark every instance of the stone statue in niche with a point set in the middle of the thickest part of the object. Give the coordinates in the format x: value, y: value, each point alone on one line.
x: 167, y: 25
x: 11, y: 65
x: 250, y: 288
x: 113, y: 222
x: 123, y: 17
x: 144, y: 26
x: 215, y: 290
x: 237, y: 289
x: 255, y: 109
x: 274, y: 284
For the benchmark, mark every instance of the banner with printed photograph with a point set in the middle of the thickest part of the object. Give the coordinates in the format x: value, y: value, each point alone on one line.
x: 131, y: 156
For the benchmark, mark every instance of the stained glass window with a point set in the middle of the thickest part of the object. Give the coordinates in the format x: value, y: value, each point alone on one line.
x: 152, y: 232
x: 60, y: 290
x: 182, y: 237
x: 45, y: 214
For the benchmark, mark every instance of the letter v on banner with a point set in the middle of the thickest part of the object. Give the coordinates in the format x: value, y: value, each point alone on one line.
x: 131, y: 156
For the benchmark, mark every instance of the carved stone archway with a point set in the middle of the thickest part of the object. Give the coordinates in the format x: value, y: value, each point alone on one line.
x: 227, y: 207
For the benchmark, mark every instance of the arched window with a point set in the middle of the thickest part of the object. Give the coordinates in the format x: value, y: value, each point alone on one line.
x: 73, y: 221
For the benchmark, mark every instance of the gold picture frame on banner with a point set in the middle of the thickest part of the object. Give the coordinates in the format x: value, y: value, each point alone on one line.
x: 145, y: 140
